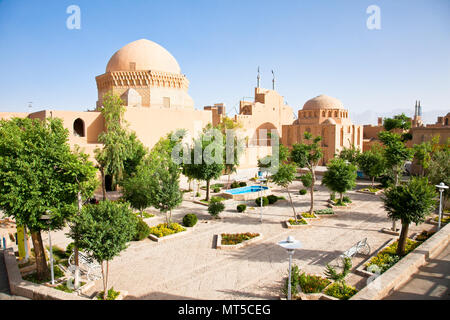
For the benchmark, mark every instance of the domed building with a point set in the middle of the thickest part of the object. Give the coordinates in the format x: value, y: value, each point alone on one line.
x: 144, y: 74
x: 327, y: 117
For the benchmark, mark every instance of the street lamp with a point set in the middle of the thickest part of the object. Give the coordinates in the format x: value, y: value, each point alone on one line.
x: 441, y: 186
x: 47, y: 217
x: 261, y: 180
x: 290, y: 244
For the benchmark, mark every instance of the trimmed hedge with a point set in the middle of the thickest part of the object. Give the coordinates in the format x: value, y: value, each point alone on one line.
x: 265, y: 201
x: 242, y: 184
x: 241, y: 207
x: 142, y: 230
x: 190, y: 220
x: 272, y: 199
x: 302, y: 191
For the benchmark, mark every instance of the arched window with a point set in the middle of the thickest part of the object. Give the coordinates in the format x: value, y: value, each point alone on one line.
x: 342, y: 136
x: 78, y: 128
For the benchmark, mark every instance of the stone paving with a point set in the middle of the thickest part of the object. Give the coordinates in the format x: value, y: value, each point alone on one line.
x: 189, y: 266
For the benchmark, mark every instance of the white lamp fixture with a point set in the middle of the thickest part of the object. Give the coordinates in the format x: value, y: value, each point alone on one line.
x: 290, y: 244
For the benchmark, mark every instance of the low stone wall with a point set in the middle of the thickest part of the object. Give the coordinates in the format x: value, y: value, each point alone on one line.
x: 23, y: 288
x: 401, y: 272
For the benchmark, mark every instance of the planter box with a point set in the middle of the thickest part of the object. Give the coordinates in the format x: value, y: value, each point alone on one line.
x: 295, y: 226
x: 170, y: 236
x: 235, y: 246
x: 370, y: 192
x: 312, y: 296
x: 316, y: 217
x: 199, y: 202
x: 121, y: 296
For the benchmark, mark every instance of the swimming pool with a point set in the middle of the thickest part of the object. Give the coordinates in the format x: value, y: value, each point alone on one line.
x: 246, y: 193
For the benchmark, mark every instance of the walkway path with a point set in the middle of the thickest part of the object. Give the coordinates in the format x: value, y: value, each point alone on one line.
x: 430, y: 283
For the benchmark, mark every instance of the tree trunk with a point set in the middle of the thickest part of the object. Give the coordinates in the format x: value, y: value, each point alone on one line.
x: 292, y: 204
x: 207, y: 190
x: 42, y: 271
x: 373, y: 180
x: 313, y: 182
x: 341, y: 197
x: 103, y: 183
x: 402, y: 240
x: 104, y: 281
x: 228, y: 183
x: 75, y: 248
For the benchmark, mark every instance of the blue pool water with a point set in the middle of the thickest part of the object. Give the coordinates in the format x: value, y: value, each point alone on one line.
x: 248, y: 189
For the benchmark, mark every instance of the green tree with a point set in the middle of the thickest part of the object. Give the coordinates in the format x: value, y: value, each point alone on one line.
x: 39, y: 174
x: 136, y: 152
x: 340, y: 176
x: 395, y: 153
x: 206, y: 159
x: 372, y: 163
x: 397, y: 122
x: 105, y: 228
x: 410, y: 203
x: 136, y: 189
x: 350, y: 154
x: 308, y: 155
x: 439, y: 168
x: 423, y: 152
x: 284, y: 177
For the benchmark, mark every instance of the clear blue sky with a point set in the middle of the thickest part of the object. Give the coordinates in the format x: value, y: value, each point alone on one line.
x: 315, y: 47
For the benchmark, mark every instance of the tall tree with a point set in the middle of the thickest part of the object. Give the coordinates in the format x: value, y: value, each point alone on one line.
x: 439, y: 168
x: 350, y: 154
x: 105, y: 228
x: 340, y: 176
x: 372, y: 163
x: 284, y: 177
x: 397, y: 122
x: 308, y: 155
x: 39, y: 175
x: 410, y: 203
x: 206, y: 159
x: 423, y: 152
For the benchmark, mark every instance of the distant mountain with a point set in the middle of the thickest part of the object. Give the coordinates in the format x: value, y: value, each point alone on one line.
x: 371, y: 117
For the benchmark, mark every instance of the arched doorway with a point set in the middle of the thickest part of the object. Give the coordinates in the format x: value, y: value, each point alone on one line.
x: 263, y: 134
x: 78, y: 128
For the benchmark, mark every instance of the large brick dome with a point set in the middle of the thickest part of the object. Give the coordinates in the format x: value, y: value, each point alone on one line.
x: 143, y: 55
x: 323, y: 102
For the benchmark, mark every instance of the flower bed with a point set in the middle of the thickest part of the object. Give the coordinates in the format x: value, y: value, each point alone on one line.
x: 444, y: 220
x: 291, y: 223
x: 327, y: 211
x: 387, y: 257
x: 308, y: 215
x: 341, y: 291
x: 163, y: 230
x: 112, y: 295
x: 423, y: 236
x: 236, y: 238
x: 338, y: 204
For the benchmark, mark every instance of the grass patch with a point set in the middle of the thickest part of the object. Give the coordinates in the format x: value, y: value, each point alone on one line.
x: 324, y: 211
x: 236, y: 238
x: 58, y: 273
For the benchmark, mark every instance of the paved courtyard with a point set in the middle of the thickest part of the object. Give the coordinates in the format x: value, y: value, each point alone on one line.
x: 189, y: 266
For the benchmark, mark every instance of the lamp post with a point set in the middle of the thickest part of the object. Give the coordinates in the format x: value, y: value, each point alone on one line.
x: 290, y: 244
x: 47, y: 217
x: 261, y: 180
x: 442, y: 187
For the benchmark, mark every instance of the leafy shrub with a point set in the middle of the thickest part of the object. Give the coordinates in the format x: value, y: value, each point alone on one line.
x: 162, y: 229
x: 235, y: 184
x: 142, y: 230
x: 216, y: 189
x: 374, y: 269
x: 306, y: 179
x: 341, y: 291
x: 112, y: 294
x: 444, y: 220
x: 272, y: 199
x: 215, y: 206
x: 324, y: 211
x: 242, y: 184
x: 312, y: 284
x: 241, y: 207
x: 295, y: 281
x: 308, y: 215
x: 69, y: 248
x: 302, y: 191
x: 190, y: 220
x: 346, y: 199
x: 264, y: 200
x: 198, y: 194
x: 424, y: 235
x: 332, y: 196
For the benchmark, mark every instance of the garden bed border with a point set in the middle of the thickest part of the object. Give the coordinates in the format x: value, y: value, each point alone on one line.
x: 401, y: 272
x: 170, y: 236
x: 295, y: 226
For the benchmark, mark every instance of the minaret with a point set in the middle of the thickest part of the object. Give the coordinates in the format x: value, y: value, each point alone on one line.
x: 258, y: 79
x: 273, y: 80
x: 419, y: 110
x: 415, y: 110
